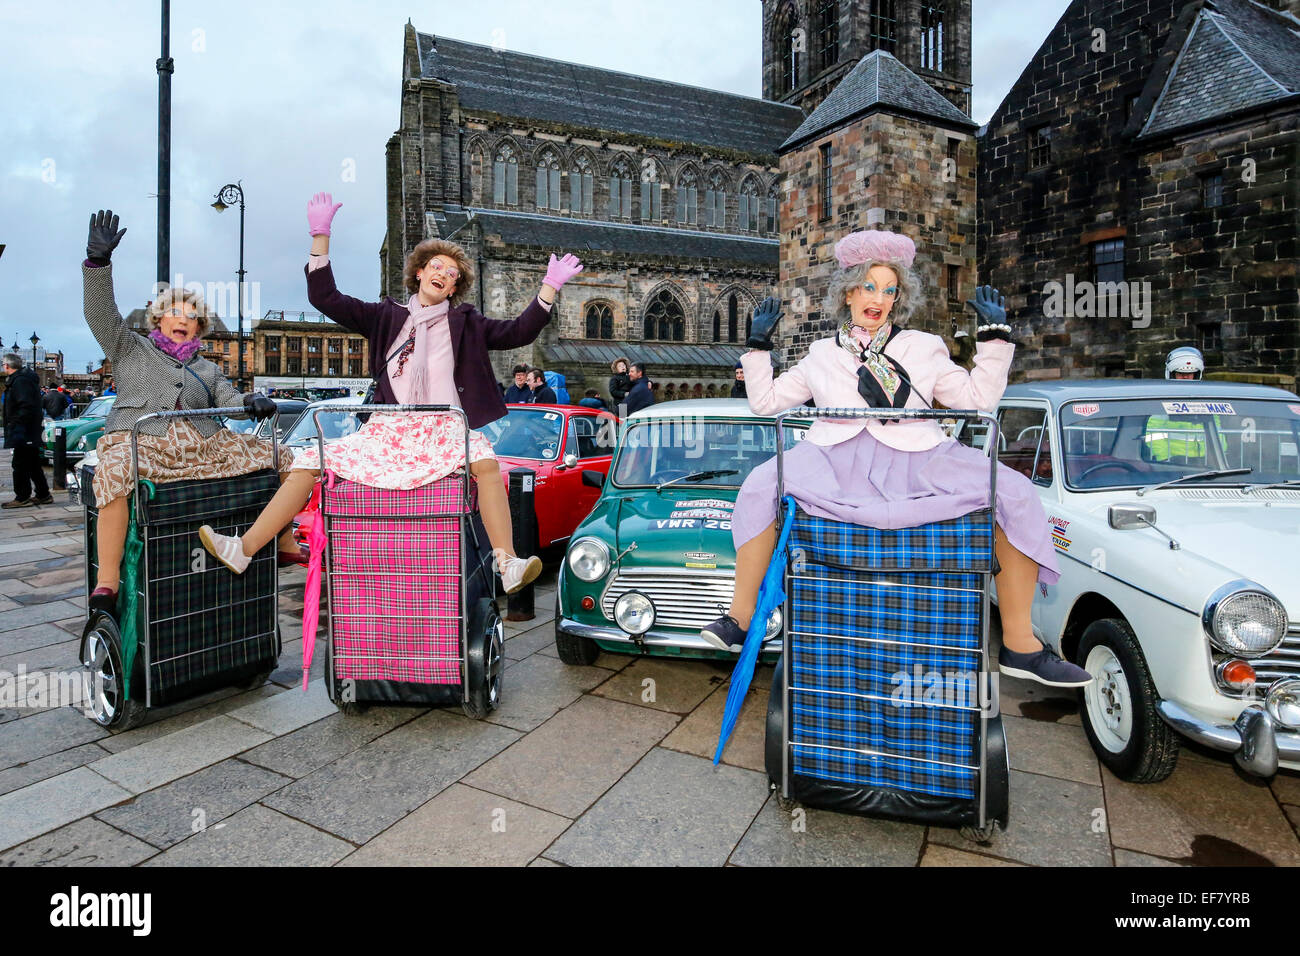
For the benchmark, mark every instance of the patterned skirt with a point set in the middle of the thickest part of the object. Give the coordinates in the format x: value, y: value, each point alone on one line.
x: 865, y: 482
x: 400, y: 452
x: 183, y: 454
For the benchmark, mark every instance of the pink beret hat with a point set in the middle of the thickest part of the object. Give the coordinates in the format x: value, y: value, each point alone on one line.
x: 875, y: 245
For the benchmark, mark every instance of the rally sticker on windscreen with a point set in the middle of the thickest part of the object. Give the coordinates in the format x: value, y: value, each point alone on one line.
x: 1085, y: 410
x: 1294, y: 408
x: 551, y: 416
x: 705, y: 503
x: 1198, y: 408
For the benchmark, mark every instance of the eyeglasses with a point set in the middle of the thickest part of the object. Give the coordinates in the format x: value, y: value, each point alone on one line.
x: 449, y: 271
x: 177, y: 314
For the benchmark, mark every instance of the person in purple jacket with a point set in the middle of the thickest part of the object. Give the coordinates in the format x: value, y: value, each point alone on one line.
x: 432, y: 349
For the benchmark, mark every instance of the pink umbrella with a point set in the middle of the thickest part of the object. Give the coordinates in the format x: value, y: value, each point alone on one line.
x: 311, y: 599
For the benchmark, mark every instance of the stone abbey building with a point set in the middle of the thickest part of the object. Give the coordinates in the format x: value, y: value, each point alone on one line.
x: 688, y: 205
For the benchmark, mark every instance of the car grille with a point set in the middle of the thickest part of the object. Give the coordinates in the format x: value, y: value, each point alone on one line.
x: 682, y: 598
x: 1283, y: 661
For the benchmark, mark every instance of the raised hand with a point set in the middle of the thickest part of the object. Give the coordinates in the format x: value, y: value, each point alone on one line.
x: 766, y: 316
x: 320, y: 213
x: 103, y: 238
x: 560, y: 271
x: 991, y: 307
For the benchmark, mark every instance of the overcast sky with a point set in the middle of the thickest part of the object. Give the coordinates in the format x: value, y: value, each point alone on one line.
x: 287, y: 96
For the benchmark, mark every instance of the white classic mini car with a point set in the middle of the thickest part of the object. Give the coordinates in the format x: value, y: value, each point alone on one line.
x: 1175, y: 510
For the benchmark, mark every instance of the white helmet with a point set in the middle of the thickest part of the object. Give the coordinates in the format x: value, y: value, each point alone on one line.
x: 1185, y: 359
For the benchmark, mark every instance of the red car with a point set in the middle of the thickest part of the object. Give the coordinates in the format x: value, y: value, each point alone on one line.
x: 559, y: 442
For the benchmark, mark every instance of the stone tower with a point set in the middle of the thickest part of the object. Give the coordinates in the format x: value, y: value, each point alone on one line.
x: 810, y: 45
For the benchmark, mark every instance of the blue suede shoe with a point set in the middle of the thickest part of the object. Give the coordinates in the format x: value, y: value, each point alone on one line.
x: 1044, y: 667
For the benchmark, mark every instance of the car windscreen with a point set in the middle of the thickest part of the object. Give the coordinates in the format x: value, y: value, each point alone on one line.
x: 336, y: 425
x: 1134, y: 442
x: 660, y: 450
x: 99, y: 408
x: 526, y: 433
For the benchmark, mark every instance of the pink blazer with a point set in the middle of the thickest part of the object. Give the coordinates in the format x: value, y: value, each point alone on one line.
x: 829, y: 376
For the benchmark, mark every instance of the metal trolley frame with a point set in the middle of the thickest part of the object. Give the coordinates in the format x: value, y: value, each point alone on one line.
x: 480, y: 642
x: 978, y: 817
x: 100, y: 633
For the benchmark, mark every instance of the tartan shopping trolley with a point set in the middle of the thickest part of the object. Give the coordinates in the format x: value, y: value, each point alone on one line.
x: 412, y: 616
x: 884, y: 701
x: 184, y: 624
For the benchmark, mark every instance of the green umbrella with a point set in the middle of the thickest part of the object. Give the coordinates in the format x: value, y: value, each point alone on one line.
x: 127, y: 602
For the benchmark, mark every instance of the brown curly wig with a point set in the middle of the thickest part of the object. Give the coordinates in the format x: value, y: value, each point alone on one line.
x: 420, y: 256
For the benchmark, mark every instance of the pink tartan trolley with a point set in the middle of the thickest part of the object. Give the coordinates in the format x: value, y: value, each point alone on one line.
x: 412, y: 616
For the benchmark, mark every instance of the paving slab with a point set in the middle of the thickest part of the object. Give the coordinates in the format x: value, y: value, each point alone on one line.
x: 57, y: 657
x: 172, y: 813
x: 463, y: 827
x: 676, y: 686
x: 1286, y: 787
x: 1129, y: 858
x: 49, y: 804
x: 611, y: 662
x: 21, y: 617
x: 256, y: 836
x: 1293, y: 814
x: 1051, y: 749
x: 167, y: 720
x: 286, y: 712
x: 535, y: 688
x: 671, y: 809
x: 19, y: 558
x: 808, y: 837
x: 938, y: 855
x: 1053, y: 823
x: 87, y: 842
x: 1026, y: 698
x: 567, y: 763
x: 43, y: 767
x: 299, y: 753
x: 543, y: 861
x: 367, y: 791
x: 529, y: 642
x: 156, y: 762
x: 698, y: 733
x: 45, y: 732
x: 1204, y: 815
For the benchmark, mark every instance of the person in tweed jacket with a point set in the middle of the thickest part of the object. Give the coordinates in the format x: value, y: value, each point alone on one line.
x: 430, y: 350
x: 157, y: 373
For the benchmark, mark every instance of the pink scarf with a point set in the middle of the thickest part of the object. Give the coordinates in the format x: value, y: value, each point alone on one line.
x: 409, y: 372
x: 180, y: 351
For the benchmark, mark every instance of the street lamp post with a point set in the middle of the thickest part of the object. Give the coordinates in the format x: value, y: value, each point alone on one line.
x: 227, y: 196
x: 34, y: 340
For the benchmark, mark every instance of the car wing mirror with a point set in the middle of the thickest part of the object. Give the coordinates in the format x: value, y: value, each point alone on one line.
x: 1127, y: 517
x: 593, y: 478
x: 570, y: 460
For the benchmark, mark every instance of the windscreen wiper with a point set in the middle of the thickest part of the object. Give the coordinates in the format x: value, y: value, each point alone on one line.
x: 698, y: 476
x: 1222, y: 473
x: 1272, y: 484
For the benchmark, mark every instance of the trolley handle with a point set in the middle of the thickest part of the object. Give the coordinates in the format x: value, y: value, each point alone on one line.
x: 392, y: 409
x: 230, y: 411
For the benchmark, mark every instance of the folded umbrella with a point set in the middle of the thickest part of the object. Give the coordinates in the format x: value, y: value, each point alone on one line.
x: 128, y: 614
x: 311, y: 597
x: 771, y: 594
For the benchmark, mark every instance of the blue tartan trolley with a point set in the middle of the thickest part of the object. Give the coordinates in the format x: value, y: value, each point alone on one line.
x: 884, y: 701
x: 184, y: 624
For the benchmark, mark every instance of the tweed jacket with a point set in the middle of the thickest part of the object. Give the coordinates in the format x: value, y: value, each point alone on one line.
x: 148, y: 379
x: 829, y: 376
x: 472, y: 334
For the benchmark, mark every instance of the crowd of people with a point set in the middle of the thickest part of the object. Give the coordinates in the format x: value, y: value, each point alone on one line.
x: 630, y: 388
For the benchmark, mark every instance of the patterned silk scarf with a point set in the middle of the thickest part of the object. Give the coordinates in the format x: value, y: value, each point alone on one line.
x: 879, y: 378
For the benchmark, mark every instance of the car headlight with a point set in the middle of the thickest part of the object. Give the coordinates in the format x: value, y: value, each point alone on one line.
x: 81, y: 445
x: 773, y: 624
x: 634, y: 612
x: 589, y: 559
x: 1244, y: 620
x: 1283, y: 703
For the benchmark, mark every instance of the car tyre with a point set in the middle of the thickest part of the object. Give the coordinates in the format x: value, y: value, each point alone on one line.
x: 574, y: 650
x: 1119, y: 706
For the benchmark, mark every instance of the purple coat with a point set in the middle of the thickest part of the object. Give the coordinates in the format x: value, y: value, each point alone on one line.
x: 472, y: 335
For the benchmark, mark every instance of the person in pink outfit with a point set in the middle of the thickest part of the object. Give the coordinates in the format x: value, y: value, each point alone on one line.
x: 432, y: 349
x: 899, y: 474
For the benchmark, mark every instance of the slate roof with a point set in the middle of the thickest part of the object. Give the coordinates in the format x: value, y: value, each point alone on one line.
x: 534, y: 87
x: 591, y: 352
x: 575, y: 235
x: 1237, y: 56
x: 879, y: 83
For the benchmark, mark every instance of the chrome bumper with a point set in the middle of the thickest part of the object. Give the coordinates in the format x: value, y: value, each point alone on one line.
x: 651, y: 638
x: 1254, y: 739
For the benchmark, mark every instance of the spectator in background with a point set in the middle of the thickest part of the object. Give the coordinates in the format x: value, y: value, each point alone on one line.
x: 592, y: 399
x: 67, y: 403
x: 519, y: 391
x: 109, y: 387
x: 51, y: 403
x: 542, y: 394
x: 22, y: 431
x: 738, y: 388
x: 639, y: 396
x: 619, y: 382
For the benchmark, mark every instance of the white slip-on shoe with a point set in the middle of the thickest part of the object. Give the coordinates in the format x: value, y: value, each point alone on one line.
x: 518, y: 572
x: 225, y: 548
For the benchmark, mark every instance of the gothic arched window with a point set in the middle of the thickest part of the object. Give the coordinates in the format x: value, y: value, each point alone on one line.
x: 827, y: 33
x: 788, y: 41
x: 688, y: 198
x: 932, y: 30
x: 733, y: 317
x: 771, y: 225
x: 548, y: 180
x: 476, y: 177
x: 717, y: 326
x: 505, y: 177
x: 715, y: 201
x: 582, y: 181
x: 883, y: 25
x: 751, y: 214
x: 664, y: 318
x: 620, y: 189
x: 600, y: 321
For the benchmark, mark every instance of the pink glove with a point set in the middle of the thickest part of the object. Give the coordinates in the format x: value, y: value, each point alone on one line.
x: 560, y: 271
x: 320, y: 213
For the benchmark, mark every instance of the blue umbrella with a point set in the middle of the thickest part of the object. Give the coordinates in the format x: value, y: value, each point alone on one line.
x: 771, y: 593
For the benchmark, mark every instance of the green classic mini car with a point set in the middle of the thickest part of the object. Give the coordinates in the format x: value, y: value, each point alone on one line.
x: 82, y: 432
x: 654, y: 561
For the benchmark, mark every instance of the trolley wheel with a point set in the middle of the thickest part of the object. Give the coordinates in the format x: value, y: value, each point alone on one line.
x: 1119, y: 706
x: 981, y: 835
x: 774, y: 738
x: 348, y: 708
x: 579, y: 651
x: 485, y: 660
x: 101, y: 656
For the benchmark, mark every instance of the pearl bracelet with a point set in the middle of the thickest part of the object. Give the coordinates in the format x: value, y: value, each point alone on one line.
x: 994, y: 327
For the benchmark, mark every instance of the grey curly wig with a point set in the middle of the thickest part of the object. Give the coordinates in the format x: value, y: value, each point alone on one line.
x: 844, y: 281
x: 181, y: 297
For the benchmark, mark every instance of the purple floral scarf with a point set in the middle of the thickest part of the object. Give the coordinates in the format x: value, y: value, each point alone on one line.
x: 180, y: 351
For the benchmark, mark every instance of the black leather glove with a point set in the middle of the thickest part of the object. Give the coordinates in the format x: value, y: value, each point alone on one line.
x: 258, y: 405
x: 104, y: 237
x: 764, y: 322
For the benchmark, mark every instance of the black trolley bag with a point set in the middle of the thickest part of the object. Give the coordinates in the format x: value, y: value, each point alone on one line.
x: 199, y: 626
x: 884, y: 702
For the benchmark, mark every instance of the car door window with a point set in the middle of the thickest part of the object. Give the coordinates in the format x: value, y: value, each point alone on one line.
x: 1021, y: 432
x: 583, y: 437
